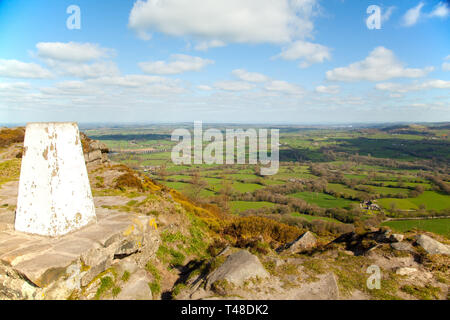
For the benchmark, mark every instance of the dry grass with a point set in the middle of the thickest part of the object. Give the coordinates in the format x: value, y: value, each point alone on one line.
x: 129, y: 180
x: 10, y: 136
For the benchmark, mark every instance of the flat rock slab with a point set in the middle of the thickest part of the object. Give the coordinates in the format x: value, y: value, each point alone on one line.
x: 45, y: 268
x: 136, y: 288
x: 43, y: 260
x: 324, y: 289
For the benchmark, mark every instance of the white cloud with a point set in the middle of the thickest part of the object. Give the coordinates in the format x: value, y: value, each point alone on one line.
x: 284, y: 87
x: 133, y: 81
x: 387, y: 14
x: 204, y: 87
x: 205, y: 45
x: 446, y: 65
x: 15, y: 86
x: 84, y: 70
x: 217, y: 22
x: 179, y: 63
x: 404, y: 88
x: 70, y: 88
x: 441, y: 10
x: 25, y: 70
x: 234, y: 85
x: 71, y: 51
x: 412, y: 15
x: 380, y: 65
x: 307, y: 51
x: 249, y: 76
x: 80, y: 60
x: 327, y: 89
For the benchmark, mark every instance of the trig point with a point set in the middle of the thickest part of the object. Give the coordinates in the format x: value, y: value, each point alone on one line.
x: 54, y: 193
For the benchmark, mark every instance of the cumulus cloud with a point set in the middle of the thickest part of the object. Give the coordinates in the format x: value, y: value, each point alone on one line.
x: 441, y: 10
x: 412, y: 15
x: 133, y: 81
x: 204, y: 87
x: 307, y: 51
x: 249, y: 76
x: 446, y: 65
x: 84, y: 70
x: 404, y: 88
x: 380, y: 65
x: 327, y: 89
x: 14, y: 86
x: 234, y: 85
x: 178, y: 63
x: 80, y: 60
x: 284, y: 87
x: 215, y: 23
x: 24, y: 70
x: 205, y: 45
x: 387, y: 14
x: 71, y: 51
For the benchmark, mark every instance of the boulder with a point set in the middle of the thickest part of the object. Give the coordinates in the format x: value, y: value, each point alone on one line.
x: 383, y: 236
x: 396, y: 237
x: 402, y: 246
x: 432, y: 246
x: 237, y: 268
x: 304, y: 242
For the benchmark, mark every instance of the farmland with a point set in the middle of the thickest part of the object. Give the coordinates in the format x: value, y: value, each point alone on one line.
x: 439, y: 226
x: 326, y: 173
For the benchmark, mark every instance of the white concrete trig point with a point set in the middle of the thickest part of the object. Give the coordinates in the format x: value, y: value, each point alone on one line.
x: 54, y: 193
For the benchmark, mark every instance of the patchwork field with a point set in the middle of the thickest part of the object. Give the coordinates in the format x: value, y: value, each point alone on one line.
x: 324, y: 173
x: 439, y: 226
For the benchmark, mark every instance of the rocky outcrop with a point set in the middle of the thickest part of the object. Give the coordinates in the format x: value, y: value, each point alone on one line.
x: 305, y: 242
x: 396, y: 237
x: 237, y: 268
x: 386, y: 236
x: 402, y: 246
x: 95, y: 152
x: 432, y: 246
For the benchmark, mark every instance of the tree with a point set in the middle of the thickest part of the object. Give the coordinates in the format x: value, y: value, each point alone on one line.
x: 197, y: 185
x: 225, y: 194
x: 161, y: 172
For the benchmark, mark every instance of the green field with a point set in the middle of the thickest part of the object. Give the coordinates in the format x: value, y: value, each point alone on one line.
x: 439, y: 226
x: 323, y: 200
x: 311, y: 218
x: 239, y: 206
x: 356, y: 164
x: 430, y: 199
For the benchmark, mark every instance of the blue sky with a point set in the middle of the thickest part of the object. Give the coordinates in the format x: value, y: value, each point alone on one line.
x: 254, y: 61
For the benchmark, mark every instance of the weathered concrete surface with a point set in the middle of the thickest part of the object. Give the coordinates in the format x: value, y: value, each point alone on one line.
x: 54, y: 193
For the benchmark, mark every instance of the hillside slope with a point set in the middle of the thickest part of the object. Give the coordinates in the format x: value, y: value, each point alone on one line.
x: 194, y: 251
